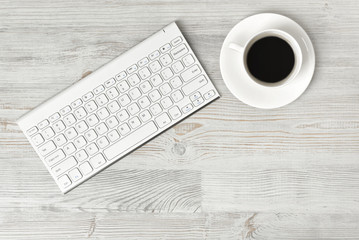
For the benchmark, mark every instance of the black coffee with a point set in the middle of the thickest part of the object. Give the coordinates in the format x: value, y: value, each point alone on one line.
x: 270, y: 59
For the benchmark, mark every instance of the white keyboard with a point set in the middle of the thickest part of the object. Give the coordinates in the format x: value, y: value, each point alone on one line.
x: 101, y: 118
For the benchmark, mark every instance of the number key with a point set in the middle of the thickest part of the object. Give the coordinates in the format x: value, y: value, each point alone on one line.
x: 69, y: 119
x: 101, y: 99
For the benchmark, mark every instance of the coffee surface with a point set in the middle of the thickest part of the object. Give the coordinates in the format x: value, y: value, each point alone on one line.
x: 270, y: 59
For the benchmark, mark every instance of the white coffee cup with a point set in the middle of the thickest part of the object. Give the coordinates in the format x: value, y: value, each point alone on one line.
x: 243, y: 49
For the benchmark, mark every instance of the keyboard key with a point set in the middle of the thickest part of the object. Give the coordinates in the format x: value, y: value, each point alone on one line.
x: 132, y: 69
x: 176, y: 41
x: 64, y: 181
x: 70, y: 133
x: 209, y: 94
x: 101, y: 128
x: 188, y: 60
x: 134, y: 80
x: 135, y: 122
x: 190, y: 73
x: 59, y: 126
x: 145, y: 116
x: 194, y: 85
x: 154, y: 95
x: 155, y: 109
x: 165, y: 48
x: 92, y: 120
x: 156, y: 80
x: 179, y: 51
x: 124, y: 100
x: 177, y: 96
x: 65, y: 110
x: 48, y: 133
x: 195, y: 96
x: 60, y: 140
x: 91, y: 106
x: 103, y: 142
x: 92, y: 149
x: 129, y: 141
x: 75, y: 175
x: 124, y: 129
x: 187, y: 108
x: 167, y: 73
x: 99, y: 89
x: 134, y: 93
x: 37, y: 139
x: 81, y: 126
x: 165, y: 89
x: 77, y: 103
x: 166, y: 102
x: 145, y: 87
x: 80, y: 113
x: 85, y: 168
x: 64, y: 166
x: 143, y: 62
x: 144, y: 102
x: 123, y: 86
x: 155, y: 66
x: 80, y: 142
x: 87, y: 96
x: 133, y: 109
x: 163, y: 120
x: 69, y: 148
x: 121, y: 76
x: 113, y: 106
x: 91, y: 135
x: 97, y: 161
x: 81, y: 155
x: 47, y: 148
x: 113, y: 135
x: 154, y: 55
x: 112, y: 93
x: 55, y: 157
x: 165, y: 59
x: 54, y: 117
x: 177, y: 67
x: 144, y: 73
x: 110, y: 82
x: 198, y: 102
x: 123, y: 115
x: 175, y: 112
x: 176, y: 82
x: 112, y: 122
x: 103, y: 113
x: 32, y: 131
x: 43, y: 124
x: 101, y: 100
x: 69, y: 119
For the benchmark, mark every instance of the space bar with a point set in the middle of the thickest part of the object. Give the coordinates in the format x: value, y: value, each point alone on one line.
x: 129, y: 141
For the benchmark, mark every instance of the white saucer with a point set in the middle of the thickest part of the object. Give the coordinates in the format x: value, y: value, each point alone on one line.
x: 244, y: 88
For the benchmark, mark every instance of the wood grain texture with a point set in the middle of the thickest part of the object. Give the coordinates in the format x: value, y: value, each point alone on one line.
x: 229, y: 171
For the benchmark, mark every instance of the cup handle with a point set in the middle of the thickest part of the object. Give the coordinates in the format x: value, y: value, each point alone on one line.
x: 236, y: 47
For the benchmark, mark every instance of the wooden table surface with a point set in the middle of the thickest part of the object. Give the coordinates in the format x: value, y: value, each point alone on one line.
x: 229, y: 171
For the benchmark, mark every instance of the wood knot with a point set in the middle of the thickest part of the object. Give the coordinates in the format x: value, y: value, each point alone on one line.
x: 179, y: 149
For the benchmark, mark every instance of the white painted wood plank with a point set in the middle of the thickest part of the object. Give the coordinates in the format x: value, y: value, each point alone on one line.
x: 181, y: 226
